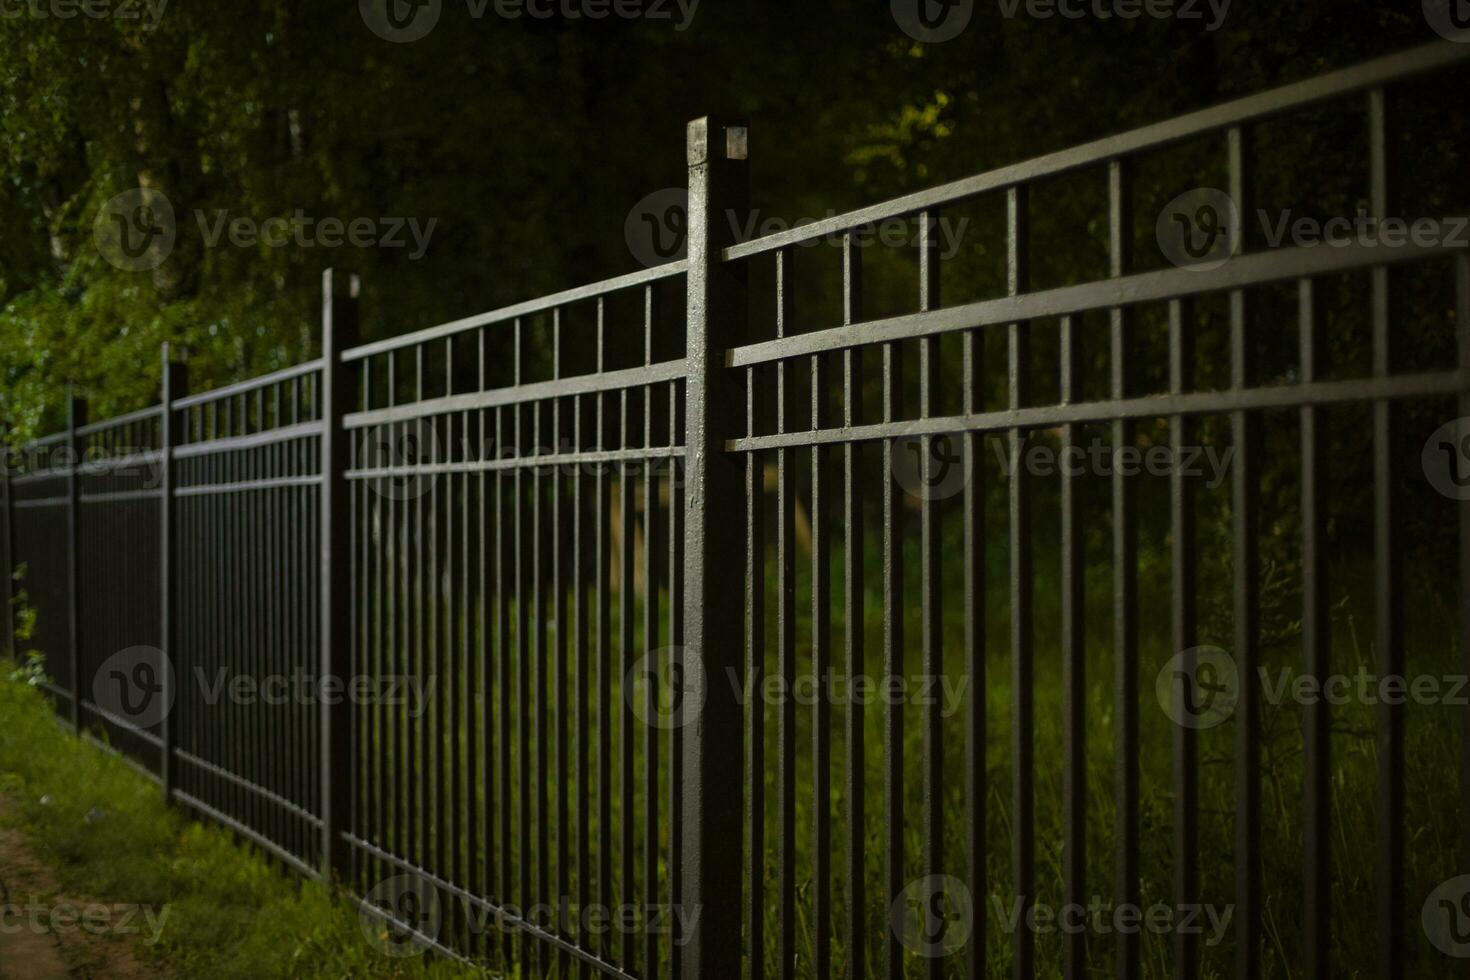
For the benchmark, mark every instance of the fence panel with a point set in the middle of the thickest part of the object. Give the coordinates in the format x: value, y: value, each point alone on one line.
x: 516, y: 511
x: 247, y: 483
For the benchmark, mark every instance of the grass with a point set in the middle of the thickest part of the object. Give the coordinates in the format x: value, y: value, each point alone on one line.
x: 230, y: 912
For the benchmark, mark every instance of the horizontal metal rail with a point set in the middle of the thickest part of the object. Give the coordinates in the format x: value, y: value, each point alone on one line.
x: 503, y: 915
x: 528, y: 308
x: 255, y: 837
x: 254, y: 788
x: 1435, y: 384
x: 97, y: 711
x: 248, y: 385
x: 255, y: 440
x: 241, y: 486
x: 582, y: 384
x: 1252, y: 108
x: 1255, y: 269
x: 547, y: 460
x: 118, y: 421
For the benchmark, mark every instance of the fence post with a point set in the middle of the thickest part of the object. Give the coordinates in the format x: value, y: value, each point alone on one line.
x: 76, y: 417
x: 719, y: 188
x: 170, y: 434
x: 339, y: 332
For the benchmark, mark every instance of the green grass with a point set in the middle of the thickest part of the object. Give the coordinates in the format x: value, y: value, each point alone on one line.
x: 230, y: 913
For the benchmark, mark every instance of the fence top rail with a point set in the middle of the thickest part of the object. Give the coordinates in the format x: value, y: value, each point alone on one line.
x: 530, y: 307
x: 117, y: 421
x: 249, y: 384
x: 1249, y: 109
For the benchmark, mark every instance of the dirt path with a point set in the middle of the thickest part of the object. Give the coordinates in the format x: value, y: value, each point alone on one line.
x: 48, y: 934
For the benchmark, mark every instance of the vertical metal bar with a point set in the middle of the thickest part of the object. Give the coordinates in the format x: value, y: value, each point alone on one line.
x: 582, y: 684
x: 1183, y: 620
x: 627, y: 814
x: 1316, y: 639
x: 676, y: 637
x: 1388, y: 582
x: 171, y: 434
x: 339, y: 331
x: 1023, y: 747
x: 76, y: 417
x: 1074, y: 652
x: 718, y: 189
x: 852, y: 618
x: 559, y: 626
x: 1245, y: 507
x: 893, y: 658
x: 651, y: 732
x: 931, y: 613
x: 1125, y: 578
x: 785, y: 637
x: 755, y: 662
x: 1462, y: 337
x: 821, y: 665
x: 974, y: 544
x: 603, y: 562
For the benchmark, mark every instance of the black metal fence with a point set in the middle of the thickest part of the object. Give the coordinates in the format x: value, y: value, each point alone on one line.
x: 523, y: 588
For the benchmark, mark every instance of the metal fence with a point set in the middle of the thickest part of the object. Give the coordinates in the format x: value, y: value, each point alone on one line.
x: 542, y: 566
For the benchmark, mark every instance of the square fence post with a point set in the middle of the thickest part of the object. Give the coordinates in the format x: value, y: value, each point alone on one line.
x: 170, y: 434
x: 712, y: 805
x: 339, y: 332
x: 76, y: 417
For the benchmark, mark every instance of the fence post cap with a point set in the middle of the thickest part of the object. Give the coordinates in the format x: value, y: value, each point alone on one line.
x: 704, y: 140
